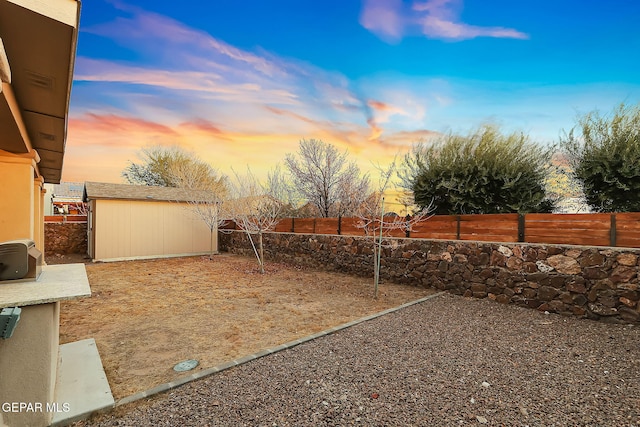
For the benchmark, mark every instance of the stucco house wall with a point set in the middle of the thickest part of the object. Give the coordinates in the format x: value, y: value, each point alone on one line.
x: 37, y: 54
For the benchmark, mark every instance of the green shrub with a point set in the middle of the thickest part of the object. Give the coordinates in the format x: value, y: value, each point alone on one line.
x: 605, y: 155
x: 484, y: 172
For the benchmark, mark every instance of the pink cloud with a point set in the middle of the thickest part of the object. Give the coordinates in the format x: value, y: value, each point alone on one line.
x: 282, y: 112
x: 114, y: 124
x: 202, y: 125
x: 384, y: 18
x: 379, y: 105
x: 204, y: 82
x: 435, y: 19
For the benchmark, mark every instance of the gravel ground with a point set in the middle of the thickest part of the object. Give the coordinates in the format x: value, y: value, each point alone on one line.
x: 448, y: 361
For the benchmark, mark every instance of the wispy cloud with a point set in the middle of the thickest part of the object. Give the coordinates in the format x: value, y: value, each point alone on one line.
x: 219, y: 78
x: 194, y: 90
x: 183, y: 59
x: 391, y: 20
x: 115, y: 125
x: 202, y: 83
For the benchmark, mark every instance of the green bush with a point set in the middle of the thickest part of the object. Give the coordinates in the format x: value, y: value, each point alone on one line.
x: 484, y: 172
x: 605, y: 155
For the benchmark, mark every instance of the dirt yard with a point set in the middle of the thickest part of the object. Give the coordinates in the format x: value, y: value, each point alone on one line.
x: 146, y: 316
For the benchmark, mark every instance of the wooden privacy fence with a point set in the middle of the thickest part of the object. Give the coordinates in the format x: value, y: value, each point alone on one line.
x: 592, y: 229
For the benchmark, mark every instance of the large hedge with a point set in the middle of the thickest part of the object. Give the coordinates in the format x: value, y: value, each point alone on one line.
x: 484, y: 172
x: 604, y: 152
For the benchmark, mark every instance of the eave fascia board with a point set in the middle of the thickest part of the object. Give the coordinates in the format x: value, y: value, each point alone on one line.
x: 72, y: 63
x: 5, y: 70
x: 64, y: 11
x: 10, y: 98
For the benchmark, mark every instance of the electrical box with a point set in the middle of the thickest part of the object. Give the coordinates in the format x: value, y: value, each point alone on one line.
x: 8, y: 320
x: 20, y: 259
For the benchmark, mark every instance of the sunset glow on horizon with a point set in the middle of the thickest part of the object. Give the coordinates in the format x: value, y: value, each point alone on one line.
x: 241, y: 83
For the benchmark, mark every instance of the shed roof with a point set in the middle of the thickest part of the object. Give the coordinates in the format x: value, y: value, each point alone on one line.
x: 105, y: 190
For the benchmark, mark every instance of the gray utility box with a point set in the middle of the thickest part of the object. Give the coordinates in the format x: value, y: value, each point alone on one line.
x: 8, y: 320
x: 20, y: 259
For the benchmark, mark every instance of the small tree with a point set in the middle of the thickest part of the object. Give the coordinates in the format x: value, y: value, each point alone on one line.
x: 372, y: 219
x: 326, y: 179
x: 605, y: 154
x: 256, y: 207
x: 484, y: 172
x: 204, y: 189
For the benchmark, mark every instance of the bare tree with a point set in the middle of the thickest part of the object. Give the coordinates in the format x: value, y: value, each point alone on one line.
x: 326, y: 179
x: 162, y: 166
x: 406, y: 199
x: 372, y: 219
x: 204, y: 190
x: 279, y: 185
x: 256, y: 207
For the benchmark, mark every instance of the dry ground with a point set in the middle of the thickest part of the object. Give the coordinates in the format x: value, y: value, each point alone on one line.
x: 146, y: 316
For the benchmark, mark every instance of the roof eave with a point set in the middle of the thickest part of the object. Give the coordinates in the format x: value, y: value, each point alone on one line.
x: 40, y: 41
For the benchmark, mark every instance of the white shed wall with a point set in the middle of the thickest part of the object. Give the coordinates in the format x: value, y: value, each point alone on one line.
x: 130, y: 229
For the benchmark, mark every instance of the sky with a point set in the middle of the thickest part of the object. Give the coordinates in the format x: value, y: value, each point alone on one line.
x: 240, y: 83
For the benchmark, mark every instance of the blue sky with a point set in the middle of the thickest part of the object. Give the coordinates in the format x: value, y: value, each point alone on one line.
x: 240, y: 83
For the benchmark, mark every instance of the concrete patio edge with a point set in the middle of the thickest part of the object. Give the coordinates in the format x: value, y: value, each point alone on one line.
x: 264, y: 352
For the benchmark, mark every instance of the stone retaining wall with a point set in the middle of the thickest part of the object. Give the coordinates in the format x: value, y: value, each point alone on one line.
x: 597, y: 283
x: 65, y: 238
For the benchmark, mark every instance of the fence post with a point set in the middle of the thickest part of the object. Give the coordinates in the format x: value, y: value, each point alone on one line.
x: 612, y: 231
x: 521, y: 227
x: 314, y: 225
x: 293, y: 225
x: 457, y: 227
x: 407, y: 228
x: 339, y: 225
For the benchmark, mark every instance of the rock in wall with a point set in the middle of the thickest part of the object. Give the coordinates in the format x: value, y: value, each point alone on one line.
x: 65, y: 238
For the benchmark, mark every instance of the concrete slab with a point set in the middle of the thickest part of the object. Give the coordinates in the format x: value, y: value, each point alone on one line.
x: 82, y: 387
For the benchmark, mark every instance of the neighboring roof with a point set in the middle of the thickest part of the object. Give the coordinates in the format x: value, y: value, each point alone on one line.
x: 39, y: 39
x: 104, y: 190
x: 68, y: 190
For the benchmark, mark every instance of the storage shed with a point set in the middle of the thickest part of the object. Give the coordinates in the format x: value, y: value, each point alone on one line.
x: 137, y: 222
